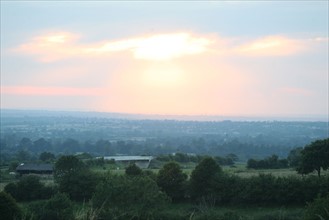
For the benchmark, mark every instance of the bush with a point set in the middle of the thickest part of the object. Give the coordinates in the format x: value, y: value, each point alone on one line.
x: 318, y: 209
x: 8, y: 207
x: 57, y: 207
x: 29, y: 188
x: 122, y: 197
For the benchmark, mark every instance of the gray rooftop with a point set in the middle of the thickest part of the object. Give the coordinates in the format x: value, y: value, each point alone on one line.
x: 129, y: 158
x: 35, y: 167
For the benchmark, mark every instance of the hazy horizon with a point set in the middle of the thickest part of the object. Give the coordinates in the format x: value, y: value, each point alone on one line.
x: 216, y: 58
x: 122, y: 115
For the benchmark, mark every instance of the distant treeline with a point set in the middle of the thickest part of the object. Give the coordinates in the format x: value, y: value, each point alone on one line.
x: 105, y: 136
x: 272, y: 162
x: 185, y: 158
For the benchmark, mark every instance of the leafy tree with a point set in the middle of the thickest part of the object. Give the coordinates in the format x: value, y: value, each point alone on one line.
x: 294, y: 157
x: 8, y: 207
x: 203, y: 178
x: 74, y: 178
x: 133, y: 170
x: 172, y: 181
x: 80, y: 185
x: 314, y: 157
x: 67, y: 165
x: 123, y: 197
x: 47, y: 156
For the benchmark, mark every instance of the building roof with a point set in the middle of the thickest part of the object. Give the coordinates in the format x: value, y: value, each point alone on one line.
x: 35, y: 167
x: 129, y: 158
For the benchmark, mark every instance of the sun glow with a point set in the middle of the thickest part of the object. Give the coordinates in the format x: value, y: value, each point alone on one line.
x: 169, y: 46
x: 163, y: 76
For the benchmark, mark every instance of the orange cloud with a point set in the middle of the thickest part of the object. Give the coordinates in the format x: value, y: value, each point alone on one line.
x: 51, y: 47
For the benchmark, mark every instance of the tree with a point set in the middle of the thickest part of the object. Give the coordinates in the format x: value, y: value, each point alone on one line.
x: 172, y: 181
x: 314, y: 157
x: 71, y: 145
x: 41, y: 145
x: 203, y: 178
x: 8, y: 207
x: 23, y: 156
x: 122, y: 197
x: 67, y: 165
x: 234, y: 157
x: 46, y: 156
x: 25, y: 143
x: 294, y: 157
x: 133, y: 170
x: 74, y: 178
x: 80, y: 185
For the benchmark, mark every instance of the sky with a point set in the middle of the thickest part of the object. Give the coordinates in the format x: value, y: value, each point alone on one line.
x: 256, y: 58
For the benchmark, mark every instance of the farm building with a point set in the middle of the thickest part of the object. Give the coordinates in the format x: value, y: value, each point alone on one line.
x: 35, y: 169
x: 141, y: 161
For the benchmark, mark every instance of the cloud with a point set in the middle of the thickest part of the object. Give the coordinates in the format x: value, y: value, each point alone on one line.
x: 50, y: 91
x: 271, y: 46
x: 51, y: 47
x: 56, y: 46
x: 162, y: 47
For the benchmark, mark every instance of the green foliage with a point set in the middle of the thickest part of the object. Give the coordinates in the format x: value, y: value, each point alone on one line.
x: 294, y: 157
x: 13, y: 165
x: 122, y: 197
x: 67, y: 165
x: 8, y: 207
x: 29, y: 188
x: 172, y: 181
x: 80, y: 185
x: 58, y: 207
x: 225, y: 161
x: 74, y: 178
x: 271, y: 162
x: 203, y: 178
x: 46, y: 156
x: 318, y: 209
x: 133, y: 170
x: 314, y: 157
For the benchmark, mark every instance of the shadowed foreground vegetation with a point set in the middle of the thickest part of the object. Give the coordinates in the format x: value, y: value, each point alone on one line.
x: 208, y: 192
